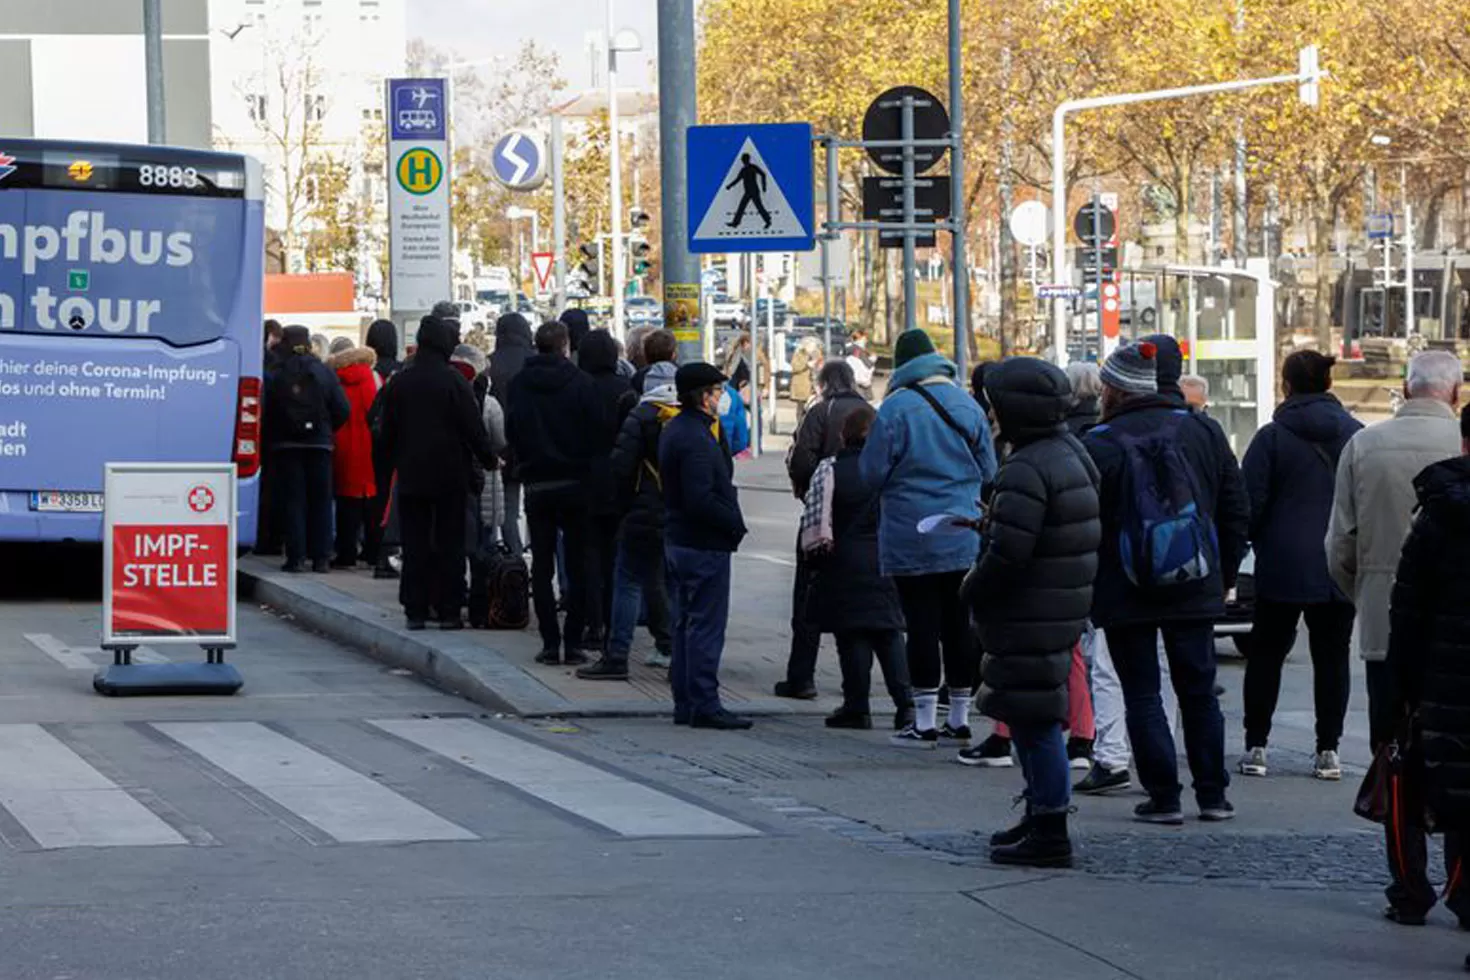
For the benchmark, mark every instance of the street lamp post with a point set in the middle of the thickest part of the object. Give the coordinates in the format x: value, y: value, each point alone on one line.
x: 619, y: 42
x: 1307, y: 77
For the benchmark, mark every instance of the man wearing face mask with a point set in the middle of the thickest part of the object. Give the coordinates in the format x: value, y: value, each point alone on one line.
x: 704, y: 527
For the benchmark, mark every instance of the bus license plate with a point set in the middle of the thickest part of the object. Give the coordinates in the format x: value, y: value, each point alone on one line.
x: 68, y: 501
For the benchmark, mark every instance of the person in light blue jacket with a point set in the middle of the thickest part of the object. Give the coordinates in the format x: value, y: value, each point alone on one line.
x: 929, y: 453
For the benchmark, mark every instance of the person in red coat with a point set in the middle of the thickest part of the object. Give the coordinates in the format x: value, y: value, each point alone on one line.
x: 352, y: 463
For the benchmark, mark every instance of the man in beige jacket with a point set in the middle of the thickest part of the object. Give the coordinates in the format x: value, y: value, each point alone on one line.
x: 1372, y: 509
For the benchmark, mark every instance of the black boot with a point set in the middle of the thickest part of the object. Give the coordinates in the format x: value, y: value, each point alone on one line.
x: 1014, y: 835
x: 1046, y: 844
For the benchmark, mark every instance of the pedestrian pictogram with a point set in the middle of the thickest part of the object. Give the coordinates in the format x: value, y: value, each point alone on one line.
x: 419, y: 171
x: 201, y: 499
x: 751, y: 188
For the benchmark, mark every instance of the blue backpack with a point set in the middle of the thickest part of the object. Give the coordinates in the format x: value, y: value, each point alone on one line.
x: 1165, y: 537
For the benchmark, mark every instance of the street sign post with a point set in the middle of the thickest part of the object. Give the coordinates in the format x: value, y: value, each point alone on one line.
x: 542, y: 264
x: 1028, y: 223
x: 419, y: 232
x: 518, y: 161
x: 168, y: 575
x: 883, y: 122
x: 751, y: 188
x: 883, y: 201
x: 1380, y: 227
x: 1058, y: 290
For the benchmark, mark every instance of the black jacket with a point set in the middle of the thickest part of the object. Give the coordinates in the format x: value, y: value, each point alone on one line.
x: 820, y: 436
x: 330, y: 410
x: 1290, y: 472
x: 431, y: 428
x: 382, y: 337
x: 702, y: 507
x: 615, y: 398
x: 1082, y: 416
x: 1031, y: 588
x: 1429, y: 647
x: 1116, y: 601
x: 634, y: 464
x: 512, y: 347
x: 553, y: 421
x: 848, y: 591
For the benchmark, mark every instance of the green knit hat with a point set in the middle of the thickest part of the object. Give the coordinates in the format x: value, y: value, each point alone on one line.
x: 911, y: 344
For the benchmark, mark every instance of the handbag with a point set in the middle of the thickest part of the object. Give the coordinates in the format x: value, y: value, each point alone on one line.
x: 1382, y: 782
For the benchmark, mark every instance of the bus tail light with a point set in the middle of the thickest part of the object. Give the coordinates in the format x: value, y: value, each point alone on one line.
x: 247, y: 428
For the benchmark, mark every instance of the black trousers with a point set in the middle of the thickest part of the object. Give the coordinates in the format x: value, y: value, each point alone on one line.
x: 806, y: 639
x: 549, y: 511
x: 855, y: 652
x: 352, y: 521
x: 936, y: 620
x: 1330, y: 633
x: 433, y: 554
x: 304, y: 502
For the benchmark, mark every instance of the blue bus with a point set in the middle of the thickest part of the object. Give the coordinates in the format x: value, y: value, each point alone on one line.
x: 131, y: 281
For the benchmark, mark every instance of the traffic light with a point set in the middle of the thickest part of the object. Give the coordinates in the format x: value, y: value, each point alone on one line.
x: 638, y: 218
x: 591, y: 265
x: 640, y: 250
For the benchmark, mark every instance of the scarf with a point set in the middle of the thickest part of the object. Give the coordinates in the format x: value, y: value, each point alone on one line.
x: 816, y: 519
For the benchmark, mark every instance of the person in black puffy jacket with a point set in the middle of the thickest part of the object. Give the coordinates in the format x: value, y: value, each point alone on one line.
x: 1290, y: 471
x: 1030, y: 592
x: 598, y: 358
x: 1429, y: 666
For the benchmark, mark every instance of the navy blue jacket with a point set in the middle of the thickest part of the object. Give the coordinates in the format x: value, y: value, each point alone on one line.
x: 703, y: 511
x: 1290, y: 471
x: 1115, y: 600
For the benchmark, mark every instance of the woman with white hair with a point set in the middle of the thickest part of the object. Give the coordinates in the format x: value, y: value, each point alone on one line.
x: 1086, y: 380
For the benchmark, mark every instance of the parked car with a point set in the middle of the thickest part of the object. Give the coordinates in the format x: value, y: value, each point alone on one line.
x: 726, y: 310
x: 779, y: 309
x: 813, y: 325
x: 473, y: 315
x: 643, y: 311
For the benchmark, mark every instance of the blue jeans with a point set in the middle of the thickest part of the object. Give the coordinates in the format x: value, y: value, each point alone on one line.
x: 1043, y: 754
x: 1190, y: 648
x: 638, y: 576
x: 699, y: 594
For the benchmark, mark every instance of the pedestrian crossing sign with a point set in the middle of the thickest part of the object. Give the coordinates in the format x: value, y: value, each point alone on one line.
x: 751, y: 188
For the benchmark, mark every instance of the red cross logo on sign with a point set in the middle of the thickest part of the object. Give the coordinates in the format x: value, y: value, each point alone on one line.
x: 201, y: 500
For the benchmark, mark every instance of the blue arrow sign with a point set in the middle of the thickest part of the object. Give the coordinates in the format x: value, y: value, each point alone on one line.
x: 751, y: 188
x: 519, y: 161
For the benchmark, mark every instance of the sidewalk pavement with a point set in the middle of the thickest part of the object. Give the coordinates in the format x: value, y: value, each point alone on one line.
x: 497, y: 668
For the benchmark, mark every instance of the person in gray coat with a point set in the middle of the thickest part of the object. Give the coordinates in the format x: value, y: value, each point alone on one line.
x: 1372, y: 509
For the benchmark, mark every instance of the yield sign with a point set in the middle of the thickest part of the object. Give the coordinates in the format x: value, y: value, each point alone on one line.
x: 541, y: 263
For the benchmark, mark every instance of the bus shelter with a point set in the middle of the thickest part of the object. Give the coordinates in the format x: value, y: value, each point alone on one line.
x: 1225, y: 321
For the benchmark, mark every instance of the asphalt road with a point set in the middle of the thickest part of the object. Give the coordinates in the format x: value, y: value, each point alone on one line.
x: 339, y: 820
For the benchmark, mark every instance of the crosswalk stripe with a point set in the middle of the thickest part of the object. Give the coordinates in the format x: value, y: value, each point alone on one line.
x: 343, y: 803
x: 62, y: 801
x: 87, y: 658
x: 626, y: 807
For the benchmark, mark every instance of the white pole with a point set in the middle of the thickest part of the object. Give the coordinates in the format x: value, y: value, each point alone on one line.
x: 615, y: 177
x: 1061, y: 270
x: 770, y: 353
x: 1411, y: 322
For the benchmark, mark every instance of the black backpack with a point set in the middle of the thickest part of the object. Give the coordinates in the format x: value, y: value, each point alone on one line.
x: 509, y: 582
x: 301, y: 402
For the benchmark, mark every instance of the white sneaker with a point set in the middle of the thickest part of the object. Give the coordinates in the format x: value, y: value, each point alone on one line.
x: 1327, y: 765
x: 1253, y: 763
x: 658, y: 660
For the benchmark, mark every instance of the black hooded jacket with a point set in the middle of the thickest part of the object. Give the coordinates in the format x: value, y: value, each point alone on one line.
x: 1290, y: 472
x: 1429, y: 646
x: 431, y: 428
x: 512, y: 347
x: 615, y: 399
x: 382, y: 337
x: 1031, y: 588
x: 554, y: 421
x: 578, y: 327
